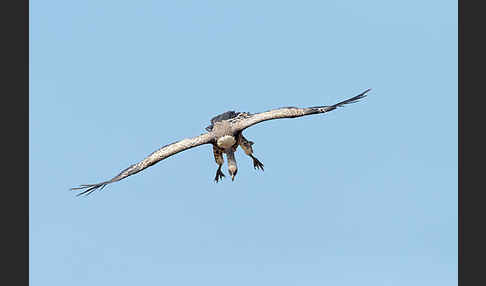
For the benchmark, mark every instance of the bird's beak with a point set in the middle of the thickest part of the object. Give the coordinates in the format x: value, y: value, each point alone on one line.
x: 233, y: 177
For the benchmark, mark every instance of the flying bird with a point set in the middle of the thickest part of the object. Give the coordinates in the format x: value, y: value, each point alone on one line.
x: 225, y: 134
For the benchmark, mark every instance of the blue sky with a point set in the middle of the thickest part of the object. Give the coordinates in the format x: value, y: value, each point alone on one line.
x: 363, y: 195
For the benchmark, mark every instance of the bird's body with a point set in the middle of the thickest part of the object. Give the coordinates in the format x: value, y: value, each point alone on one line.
x: 226, y: 141
x: 225, y: 134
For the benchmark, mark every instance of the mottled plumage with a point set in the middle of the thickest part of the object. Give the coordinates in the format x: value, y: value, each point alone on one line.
x: 223, y: 116
x: 225, y: 134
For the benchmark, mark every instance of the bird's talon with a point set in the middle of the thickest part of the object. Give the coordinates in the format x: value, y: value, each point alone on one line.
x: 257, y: 164
x: 219, y: 175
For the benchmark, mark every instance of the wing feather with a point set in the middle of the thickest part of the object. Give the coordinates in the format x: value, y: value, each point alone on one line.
x: 155, y: 157
x: 291, y: 112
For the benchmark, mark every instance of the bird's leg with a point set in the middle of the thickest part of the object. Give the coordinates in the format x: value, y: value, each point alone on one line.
x: 246, y: 146
x: 219, y: 174
x: 256, y: 163
x: 218, y: 157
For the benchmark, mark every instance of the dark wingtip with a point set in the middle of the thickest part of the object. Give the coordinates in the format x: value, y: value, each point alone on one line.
x: 353, y: 99
x: 364, y: 93
x: 89, y: 188
x: 361, y: 95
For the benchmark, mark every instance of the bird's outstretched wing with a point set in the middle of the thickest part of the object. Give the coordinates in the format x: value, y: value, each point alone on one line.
x: 161, y: 154
x: 242, y: 123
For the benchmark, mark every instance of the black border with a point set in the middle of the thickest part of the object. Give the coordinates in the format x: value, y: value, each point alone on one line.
x: 470, y: 121
x: 15, y: 141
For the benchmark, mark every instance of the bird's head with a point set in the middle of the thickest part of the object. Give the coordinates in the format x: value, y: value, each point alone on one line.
x: 232, y: 169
